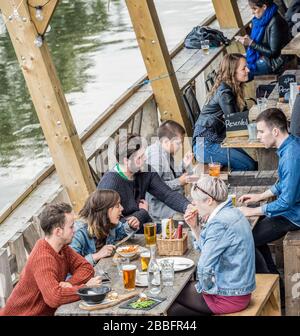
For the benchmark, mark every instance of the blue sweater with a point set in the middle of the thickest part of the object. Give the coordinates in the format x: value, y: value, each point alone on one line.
x: 287, y: 188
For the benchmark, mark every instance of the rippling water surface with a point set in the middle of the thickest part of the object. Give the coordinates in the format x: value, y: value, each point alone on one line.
x: 97, y: 58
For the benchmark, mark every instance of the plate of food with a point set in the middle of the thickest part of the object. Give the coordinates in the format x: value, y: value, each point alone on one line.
x: 128, y: 251
x: 142, y: 302
x: 180, y: 264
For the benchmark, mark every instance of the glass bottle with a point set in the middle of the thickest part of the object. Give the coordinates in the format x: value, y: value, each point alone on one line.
x: 154, y: 274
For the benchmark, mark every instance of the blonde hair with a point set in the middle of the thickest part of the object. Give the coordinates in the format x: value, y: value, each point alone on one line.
x: 208, y: 186
x: 227, y: 74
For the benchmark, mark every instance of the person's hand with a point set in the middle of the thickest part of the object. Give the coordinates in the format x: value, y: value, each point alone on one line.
x: 188, y: 158
x: 135, y: 225
x: 105, y: 251
x: 65, y: 284
x: 191, y: 216
x: 133, y: 221
x: 249, y: 198
x: 183, y: 179
x: 94, y: 282
x: 247, y: 40
x: 239, y: 38
x: 143, y: 205
x: 247, y: 212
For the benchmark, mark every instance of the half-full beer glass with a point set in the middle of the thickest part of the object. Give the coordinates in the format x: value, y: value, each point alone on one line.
x: 150, y: 233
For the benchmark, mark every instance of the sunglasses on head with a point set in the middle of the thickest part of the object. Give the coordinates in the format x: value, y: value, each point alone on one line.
x: 196, y: 187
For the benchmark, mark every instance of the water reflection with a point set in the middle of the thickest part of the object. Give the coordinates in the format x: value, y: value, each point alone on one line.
x: 96, y: 56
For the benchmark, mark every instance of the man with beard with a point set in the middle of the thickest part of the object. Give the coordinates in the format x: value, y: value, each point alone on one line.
x: 131, y: 179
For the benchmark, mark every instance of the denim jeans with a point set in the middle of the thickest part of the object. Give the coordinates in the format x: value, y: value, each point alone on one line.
x: 265, y: 231
x: 262, y: 68
x: 239, y: 160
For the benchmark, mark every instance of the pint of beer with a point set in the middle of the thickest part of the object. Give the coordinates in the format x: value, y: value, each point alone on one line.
x: 129, y: 273
x: 214, y: 169
x: 150, y: 233
x: 145, y: 258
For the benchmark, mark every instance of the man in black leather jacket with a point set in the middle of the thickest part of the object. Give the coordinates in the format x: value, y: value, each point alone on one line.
x: 276, y: 36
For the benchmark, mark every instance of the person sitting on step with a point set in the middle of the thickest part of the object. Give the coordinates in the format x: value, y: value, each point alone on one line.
x: 226, y: 97
x: 42, y: 287
x: 99, y: 226
x: 160, y: 156
x: 226, y: 267
x: 132, y: 179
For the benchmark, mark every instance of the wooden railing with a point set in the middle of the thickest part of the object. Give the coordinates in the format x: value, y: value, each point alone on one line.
x: 137, y: 111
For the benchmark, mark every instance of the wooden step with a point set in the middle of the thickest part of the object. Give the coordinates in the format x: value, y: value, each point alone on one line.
x: 265, y: 300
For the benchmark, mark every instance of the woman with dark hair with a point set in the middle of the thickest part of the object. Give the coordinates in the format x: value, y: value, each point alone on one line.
x: 269, y: 34
x: 99, y: 226
x: 226, y: 97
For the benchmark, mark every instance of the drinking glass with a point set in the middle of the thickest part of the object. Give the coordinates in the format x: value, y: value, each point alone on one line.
x: 252, y: 131
x: 150, y: 233
x: 145, y: 258
x: 121, y: 262
x: 214, y: 169
x: 129, y: 276
x: 262, y: 104
x: 167, y: 272
x: 205, y: 47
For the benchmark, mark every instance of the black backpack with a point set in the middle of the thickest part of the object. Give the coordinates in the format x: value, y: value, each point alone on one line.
x: 198, y: 34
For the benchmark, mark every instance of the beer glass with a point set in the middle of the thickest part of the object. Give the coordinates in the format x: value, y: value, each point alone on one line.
x: 129, y: 275
x: 150, y: 233
x: 145, y: 258
x: 214, y: 169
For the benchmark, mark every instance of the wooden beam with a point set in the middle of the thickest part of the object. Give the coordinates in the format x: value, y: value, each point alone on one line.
x: 47, y: 11
x: 157, y: 61
x: 50, y: 104
x: 228, y: 14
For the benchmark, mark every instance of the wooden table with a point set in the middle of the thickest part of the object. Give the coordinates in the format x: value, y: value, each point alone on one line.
x: 267, y: 158
x: 170, y: 293
x: 292, y: 48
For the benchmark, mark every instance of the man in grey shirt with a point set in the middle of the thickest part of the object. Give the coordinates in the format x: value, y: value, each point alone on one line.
x: 160, y: 156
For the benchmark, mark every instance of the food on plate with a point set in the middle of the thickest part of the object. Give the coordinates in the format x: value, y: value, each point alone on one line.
x: 129, y: 248
x: 112, y: 296
x: 142, y: 302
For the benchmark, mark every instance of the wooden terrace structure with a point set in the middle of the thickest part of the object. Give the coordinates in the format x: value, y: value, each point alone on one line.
x: 139, y: 110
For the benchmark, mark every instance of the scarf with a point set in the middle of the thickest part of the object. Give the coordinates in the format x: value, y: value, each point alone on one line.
x: 257, y: 34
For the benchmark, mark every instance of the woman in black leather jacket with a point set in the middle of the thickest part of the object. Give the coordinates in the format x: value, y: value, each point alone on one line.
x: 226, y: 97
x: 269, y: 34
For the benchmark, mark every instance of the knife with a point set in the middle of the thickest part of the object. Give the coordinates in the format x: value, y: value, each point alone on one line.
x: 125, y: 239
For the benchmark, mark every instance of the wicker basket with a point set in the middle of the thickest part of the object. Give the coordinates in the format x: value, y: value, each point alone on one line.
x: 172, y: 247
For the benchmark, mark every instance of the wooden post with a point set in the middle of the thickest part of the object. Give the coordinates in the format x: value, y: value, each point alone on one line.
x: 228, y: 14
x: 49, y: 101
x: 157, y: 61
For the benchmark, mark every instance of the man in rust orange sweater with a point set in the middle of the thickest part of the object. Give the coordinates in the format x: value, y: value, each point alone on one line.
x: 42, y: 287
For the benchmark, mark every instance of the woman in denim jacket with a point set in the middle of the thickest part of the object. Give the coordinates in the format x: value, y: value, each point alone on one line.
x: 226, y: 267
x: 99, y: 226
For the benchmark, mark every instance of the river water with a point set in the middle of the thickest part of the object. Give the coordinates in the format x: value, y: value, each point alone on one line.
x: 97, y: 58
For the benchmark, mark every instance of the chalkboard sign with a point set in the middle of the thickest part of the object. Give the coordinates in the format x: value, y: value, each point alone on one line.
x: 284, y: 84
x: 237, y: 124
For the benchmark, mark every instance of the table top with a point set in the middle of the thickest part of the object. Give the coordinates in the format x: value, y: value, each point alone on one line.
x: 293, y: 47
x: 170, y: 293
x: 241, y: 142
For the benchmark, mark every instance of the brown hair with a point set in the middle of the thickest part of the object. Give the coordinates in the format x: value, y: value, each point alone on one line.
x: 260, y: 3
x: 127, y: 145
x: 274, y: 117
x: 95, y: 212
x: 53, y: 216
x: 227, y: 74
x: 170, y: 129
